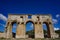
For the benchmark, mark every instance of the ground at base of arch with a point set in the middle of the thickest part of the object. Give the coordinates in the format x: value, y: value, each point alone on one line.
x: 30, y: 39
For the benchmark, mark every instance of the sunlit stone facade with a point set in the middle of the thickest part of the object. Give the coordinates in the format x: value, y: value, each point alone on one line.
x: 37, y: 19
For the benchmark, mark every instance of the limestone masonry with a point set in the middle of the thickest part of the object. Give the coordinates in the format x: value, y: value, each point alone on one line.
x: 22, y: 19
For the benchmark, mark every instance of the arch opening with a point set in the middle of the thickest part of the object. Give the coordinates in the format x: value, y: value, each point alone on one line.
x: 46, y: 30
x: 14, y: 27
x: 30, y: 29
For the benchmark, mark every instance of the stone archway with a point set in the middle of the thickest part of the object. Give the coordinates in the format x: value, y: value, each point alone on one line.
x: 37, y: 20
x: 48, y: 35
x: 31, y: 33
x: 14, y: 27
x: 9, y: 29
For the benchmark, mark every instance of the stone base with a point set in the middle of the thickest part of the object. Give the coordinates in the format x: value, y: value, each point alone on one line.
x: 17, y: 36
x: 55, y: 35
x: 39, y: 36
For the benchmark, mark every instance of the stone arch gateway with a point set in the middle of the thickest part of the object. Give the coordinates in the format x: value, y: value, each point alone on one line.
x: 37, y: 19
x: 31, y: 26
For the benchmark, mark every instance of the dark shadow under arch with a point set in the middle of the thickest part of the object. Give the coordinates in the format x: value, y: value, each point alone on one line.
x: 48, y: 30
x: 14, y: 33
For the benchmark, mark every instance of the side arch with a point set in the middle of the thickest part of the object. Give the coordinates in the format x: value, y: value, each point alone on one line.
x: 48, y: 29
x: 9, y: 28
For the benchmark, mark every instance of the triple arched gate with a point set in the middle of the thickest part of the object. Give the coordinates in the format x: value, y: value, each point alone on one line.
x: 37, y: 21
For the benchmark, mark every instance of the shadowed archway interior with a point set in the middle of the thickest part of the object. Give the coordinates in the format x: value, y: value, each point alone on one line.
x: 14, y: 27
x: 46, y: 30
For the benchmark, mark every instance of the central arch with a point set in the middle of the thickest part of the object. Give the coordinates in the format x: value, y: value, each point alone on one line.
x: 30, y: 29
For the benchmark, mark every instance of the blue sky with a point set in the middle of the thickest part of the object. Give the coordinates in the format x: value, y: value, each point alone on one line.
x: 30, y: 7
